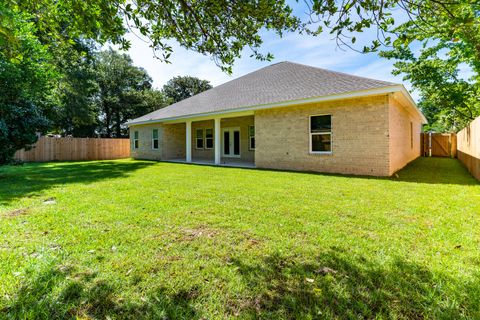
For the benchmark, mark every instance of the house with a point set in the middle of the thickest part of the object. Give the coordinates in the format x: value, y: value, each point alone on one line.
x: 288, y: 116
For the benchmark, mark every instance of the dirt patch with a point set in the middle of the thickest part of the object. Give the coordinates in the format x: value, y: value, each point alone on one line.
x: 17, y: 212
x: 253, y: 242
x: 201, y: 231
x: 235, y: 307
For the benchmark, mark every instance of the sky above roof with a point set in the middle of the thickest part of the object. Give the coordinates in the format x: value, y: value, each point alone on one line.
x: 321, y: 51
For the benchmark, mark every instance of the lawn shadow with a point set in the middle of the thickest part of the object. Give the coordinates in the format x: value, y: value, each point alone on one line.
x: 58, y: 293
x: 435, y: 171
x: 336, y: 284
x: 421, y: 170
x: 341, y: 286
x: 30, y: 179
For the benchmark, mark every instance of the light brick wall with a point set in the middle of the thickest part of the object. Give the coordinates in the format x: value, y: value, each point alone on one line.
x: 238, y: 122
x: 243, y: 123
x: 207, y: 154
x: 405, y: 129
x: 359, y: 137
x: 370, y: 136
x: 171, y: 141
x: 174, y: 141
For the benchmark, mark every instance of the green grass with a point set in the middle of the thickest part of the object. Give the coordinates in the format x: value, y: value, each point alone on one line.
x: 139, y: 239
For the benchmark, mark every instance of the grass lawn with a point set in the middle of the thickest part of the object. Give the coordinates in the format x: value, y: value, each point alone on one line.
x: 139, y: 239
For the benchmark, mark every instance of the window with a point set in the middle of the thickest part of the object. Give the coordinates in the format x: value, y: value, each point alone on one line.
x: 135, y: 140
x: 199, y: 139
x: 251, y: 137
x: 155, y: 139
x: 208, y: 138
x: 321, y: 134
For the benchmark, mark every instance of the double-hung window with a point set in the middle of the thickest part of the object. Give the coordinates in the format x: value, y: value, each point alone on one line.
x: 199, y: 139
x: 135, y: 140
x: 321, y: 134
x: 251, y: 137
x: 209, y: 138
x: 155, y: 139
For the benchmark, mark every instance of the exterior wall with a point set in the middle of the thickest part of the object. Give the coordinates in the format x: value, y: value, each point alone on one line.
x: 202, y: 153
x: 243, y: 123
x: 360, y: 143
x: 171, y: 141
x: 405, y: 129
x: 370, y: 136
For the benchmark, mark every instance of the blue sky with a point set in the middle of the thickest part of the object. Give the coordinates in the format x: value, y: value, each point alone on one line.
x: 320, y: 51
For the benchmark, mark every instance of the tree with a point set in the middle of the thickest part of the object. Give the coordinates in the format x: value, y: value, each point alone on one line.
x: 219, y: 28
x: 434, y: 39
x: 179, y: 88
x: 448, y: 101
x: 76, y: 114
x: 125, y: 92
x: 25, y: 90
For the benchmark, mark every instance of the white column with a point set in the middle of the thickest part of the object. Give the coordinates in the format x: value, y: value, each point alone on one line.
x: 217, y: 140
x: 188, y: 142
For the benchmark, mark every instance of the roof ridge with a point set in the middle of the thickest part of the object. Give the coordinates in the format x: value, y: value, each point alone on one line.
x: 337, y: 72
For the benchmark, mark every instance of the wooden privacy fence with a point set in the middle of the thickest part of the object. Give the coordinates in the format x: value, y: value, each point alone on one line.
x: 439, y: 144
x: 469, y: 147
x: 72, y: 149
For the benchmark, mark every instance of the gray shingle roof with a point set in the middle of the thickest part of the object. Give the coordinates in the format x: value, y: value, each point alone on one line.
x: 284, y: 81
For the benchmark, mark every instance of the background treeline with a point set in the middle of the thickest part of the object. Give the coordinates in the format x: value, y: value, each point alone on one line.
x: 99, y: 92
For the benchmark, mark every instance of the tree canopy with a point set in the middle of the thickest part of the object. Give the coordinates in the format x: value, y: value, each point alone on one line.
x: 182, y: 87
x: 219, y: 28
x: 431, y: 42
x: 25, y: 88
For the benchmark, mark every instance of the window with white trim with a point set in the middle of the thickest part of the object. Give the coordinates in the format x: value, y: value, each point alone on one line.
x: 209, y: 138
x: 321, y: 134
x: 199, y: 139
x: 251, y: 137
x: 135, y: 140
x: 155, y: 139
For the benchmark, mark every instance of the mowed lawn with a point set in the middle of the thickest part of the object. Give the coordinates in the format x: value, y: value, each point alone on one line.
x: 139, y: 239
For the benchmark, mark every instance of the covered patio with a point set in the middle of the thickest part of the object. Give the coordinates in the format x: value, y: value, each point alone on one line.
x: 223, y: 141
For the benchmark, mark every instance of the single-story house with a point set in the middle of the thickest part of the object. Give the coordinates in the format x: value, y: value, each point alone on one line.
x: 288, y: 116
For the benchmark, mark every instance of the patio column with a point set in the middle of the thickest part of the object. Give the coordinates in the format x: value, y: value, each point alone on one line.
x: 217, y: 140
x: 188, y: 142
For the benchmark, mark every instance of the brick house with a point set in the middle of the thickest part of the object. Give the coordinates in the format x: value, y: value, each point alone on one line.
x: 288, y: 116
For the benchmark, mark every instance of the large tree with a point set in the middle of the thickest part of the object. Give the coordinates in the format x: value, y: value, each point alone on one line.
x: 25, y: 86
x: 179, y: 88
x: 219, y: 28
x: 76, y: 113
x: 124, y: 92
x: 432, y: 41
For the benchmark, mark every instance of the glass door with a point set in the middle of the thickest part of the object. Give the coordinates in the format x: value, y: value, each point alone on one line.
x: 231, y: 142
